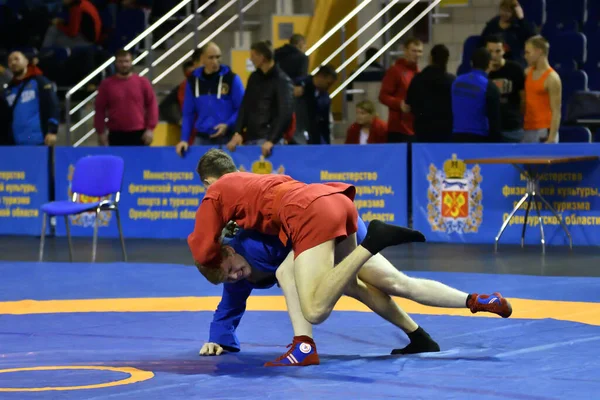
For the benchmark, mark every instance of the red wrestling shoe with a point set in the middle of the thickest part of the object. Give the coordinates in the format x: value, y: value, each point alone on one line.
x: 302, y: 352
x: 493, y: 303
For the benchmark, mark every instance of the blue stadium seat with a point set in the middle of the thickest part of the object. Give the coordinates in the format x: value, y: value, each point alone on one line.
x: 568, y: 46
x: 574, y: 134
x: 469, y: 47
x: 593, y: 72
x: 57, y: 53
x: 572, y: 82
x: 566, y: 10
x: 554, y: 28
x: 535, y: 11
x: 593, y: 10
x: 565, y: 67
x: 593, y: 48
x: 129, y: 24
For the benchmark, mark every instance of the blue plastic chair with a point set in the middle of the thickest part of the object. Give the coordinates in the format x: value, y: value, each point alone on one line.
x: 574, y: 134
x: 95, y: 176
x: 561, y: 10
x: 535, y: 11
x: 568, y: 46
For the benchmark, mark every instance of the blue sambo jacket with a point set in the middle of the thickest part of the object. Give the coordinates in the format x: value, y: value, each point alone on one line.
x: 263, y: 252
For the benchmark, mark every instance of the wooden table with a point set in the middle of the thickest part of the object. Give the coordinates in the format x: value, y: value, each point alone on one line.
x: 530, y: 167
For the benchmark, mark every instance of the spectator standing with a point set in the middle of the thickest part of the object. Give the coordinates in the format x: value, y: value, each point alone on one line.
x: 476, y: 103
x: 512, y: 26
x: 543, y: 94
x: 31, y: 105
x: 129, y: 102
x: 368, y: 128
x: 509, y: 78
x: 189, y: 67
x: 313, y: 93
x: 430, y: 99
x: 291, y: 58
x: 82, y: 27
x: 213, y: 97
x: 268, y: 105
x: 393, y: 92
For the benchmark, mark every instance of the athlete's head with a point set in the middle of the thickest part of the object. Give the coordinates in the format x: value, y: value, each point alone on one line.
x: 413, y: 50
x: 536, y: 48
x: 17, y: 63
x: 210, y: 58
x: 123, y: 62
x: 233, y: 268
x: 507, y: 9
x: 214, y: 164
x: 261, y: 54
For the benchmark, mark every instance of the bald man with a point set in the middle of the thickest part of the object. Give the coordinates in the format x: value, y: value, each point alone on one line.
x: 33, y: 107
x: 213, y: 97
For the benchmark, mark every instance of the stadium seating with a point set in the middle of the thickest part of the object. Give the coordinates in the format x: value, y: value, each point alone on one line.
x: 535, y: 10
x: 574, y: 134
x: 566, y: 10
x: 568, y: 46
x: 572, y: 82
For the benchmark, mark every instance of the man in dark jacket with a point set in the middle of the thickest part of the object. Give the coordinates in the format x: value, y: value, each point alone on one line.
x: 430, y: 99
x: 33, y: 108
x: 313, y: 95
x: 268, y: 104
x: 291, y: 58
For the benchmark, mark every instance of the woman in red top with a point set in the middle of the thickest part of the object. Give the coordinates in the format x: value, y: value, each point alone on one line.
x: 368, y: 128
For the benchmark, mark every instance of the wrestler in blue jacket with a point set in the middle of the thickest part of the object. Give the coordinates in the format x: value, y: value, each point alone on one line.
x: 264, y: 253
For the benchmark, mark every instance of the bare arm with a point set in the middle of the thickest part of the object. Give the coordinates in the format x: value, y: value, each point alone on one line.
x: 554, y: 87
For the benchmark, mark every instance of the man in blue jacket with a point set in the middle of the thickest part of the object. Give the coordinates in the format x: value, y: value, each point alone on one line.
x: 476, y: 103
x: 213, y: 97
x: 255, y: 258
x: 33, y: 108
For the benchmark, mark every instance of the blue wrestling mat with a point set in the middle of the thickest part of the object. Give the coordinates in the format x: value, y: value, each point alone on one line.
x: 133, y: 331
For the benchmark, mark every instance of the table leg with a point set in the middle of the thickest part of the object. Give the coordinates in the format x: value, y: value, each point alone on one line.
x: 512, y: 214
x: 560, y: 220
x: 537, y: 210
x: 525, y: 221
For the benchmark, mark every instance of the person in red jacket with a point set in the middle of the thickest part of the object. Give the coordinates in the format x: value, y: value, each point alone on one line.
x: 393, y: 92
x: 368, y: 128
x: 82, y: 27
x: 318, y: 220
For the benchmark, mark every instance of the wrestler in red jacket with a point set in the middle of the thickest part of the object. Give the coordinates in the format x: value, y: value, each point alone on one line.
x: 318, y: 219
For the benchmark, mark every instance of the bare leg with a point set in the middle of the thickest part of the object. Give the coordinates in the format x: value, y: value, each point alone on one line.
x: 382, y: 304
x: 285, y: 278
x: 379, y: 272
x: 319, y: 284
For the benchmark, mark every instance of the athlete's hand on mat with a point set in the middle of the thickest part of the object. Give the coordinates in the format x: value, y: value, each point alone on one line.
x: 235, y: 141
x: 221, y: 129
x: 211, y: 349
x: 267, y: 147
x: 182, y: 147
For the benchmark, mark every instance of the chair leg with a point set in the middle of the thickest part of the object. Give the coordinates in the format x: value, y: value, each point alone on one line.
x: 69, y: 238
x: 95, y: 240
x: 42, y: 237
x: 121, y: 234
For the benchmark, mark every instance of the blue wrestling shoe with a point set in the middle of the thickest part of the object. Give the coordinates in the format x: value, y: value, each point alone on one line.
x: 302, y: 352
x: 493, y: 303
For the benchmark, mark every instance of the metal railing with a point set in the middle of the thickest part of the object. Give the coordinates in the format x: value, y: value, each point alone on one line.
x: 150, y: 49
